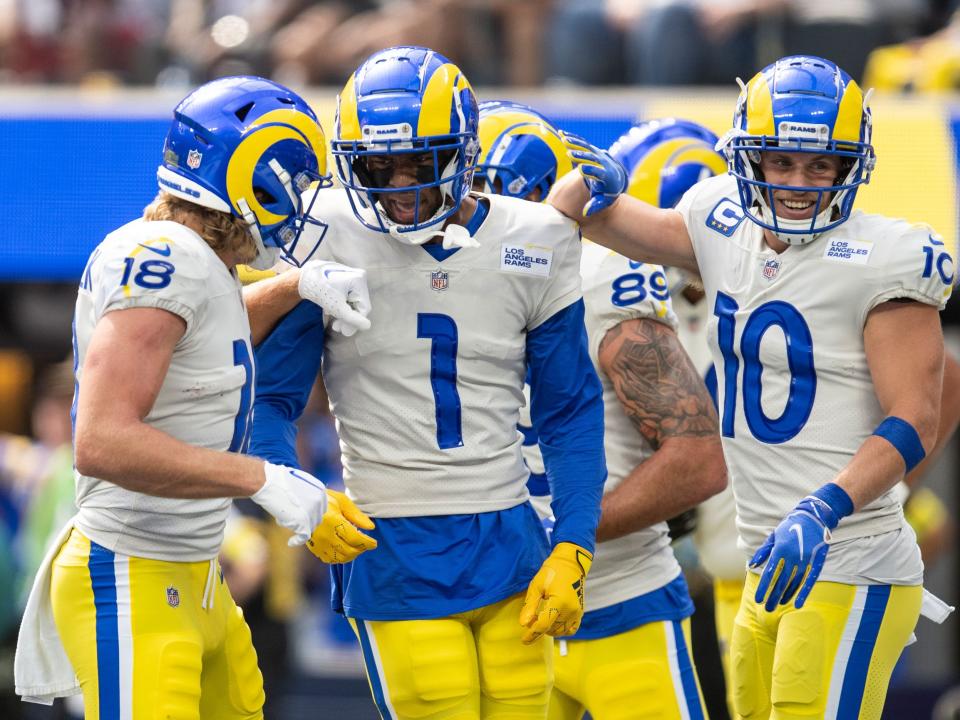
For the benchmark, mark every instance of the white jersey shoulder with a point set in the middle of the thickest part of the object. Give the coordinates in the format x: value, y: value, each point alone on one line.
x: 427, y: 400
x: 150, y: 264
x: 206, y: 394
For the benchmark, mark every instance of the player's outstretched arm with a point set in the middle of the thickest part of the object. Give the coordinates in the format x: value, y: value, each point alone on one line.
x: 340, y: 290
x: 630, y: 227
x: 668, y: 404
x: 124, y: 368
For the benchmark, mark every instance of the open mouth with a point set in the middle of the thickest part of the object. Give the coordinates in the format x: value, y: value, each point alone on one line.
x: 401, y: 207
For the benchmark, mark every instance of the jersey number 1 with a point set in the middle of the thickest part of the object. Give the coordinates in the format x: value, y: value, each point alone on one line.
x: 441, y: 330
x: 803, y: 376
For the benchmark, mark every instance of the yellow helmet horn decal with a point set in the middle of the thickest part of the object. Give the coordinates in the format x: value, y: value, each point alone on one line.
x: 645, y: 178
x: 759, y: 107
x: 849, y: 115
x: 438, y: 100
x: 244, y: 161
x: 348, y: 121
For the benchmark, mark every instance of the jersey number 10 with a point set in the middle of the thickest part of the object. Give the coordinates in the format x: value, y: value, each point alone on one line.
x: 803, y: 376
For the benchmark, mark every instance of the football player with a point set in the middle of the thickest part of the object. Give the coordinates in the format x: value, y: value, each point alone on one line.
x: 130, y: 605
x: 631, y: 655
x: 454, y: 607
x: 829, y: 354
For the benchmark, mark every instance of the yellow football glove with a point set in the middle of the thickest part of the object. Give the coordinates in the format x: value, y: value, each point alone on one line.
x: 336, y: 539
x: 554, y: 601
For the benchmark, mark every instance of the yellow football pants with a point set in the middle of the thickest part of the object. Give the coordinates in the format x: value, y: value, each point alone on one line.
x: 831, y: 659
x: 643, y: 674
x: 141, y: 643
x: 462, y: 667
x: 726, y: 603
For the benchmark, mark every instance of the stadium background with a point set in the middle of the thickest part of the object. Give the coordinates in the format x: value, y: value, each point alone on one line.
x: 78, y: 163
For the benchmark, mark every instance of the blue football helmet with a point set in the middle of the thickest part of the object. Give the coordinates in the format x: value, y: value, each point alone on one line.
x: 665, y: 158
x: 800, y: 104
x: 250, y: 147
x: 520, y: 151
x: 406, y: 100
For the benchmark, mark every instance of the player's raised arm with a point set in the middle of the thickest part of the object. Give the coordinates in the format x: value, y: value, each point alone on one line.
x: 669, y: 406
x: 630, y: 227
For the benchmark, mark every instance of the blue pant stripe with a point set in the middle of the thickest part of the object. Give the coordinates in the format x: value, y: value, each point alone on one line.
x: 103, y: 580
x: 855, y: 678
x: 687, y: 676
x: 370, y: 660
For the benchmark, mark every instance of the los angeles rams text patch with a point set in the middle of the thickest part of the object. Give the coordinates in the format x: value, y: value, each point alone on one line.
x: 851, y: 251
x: 526, y: 259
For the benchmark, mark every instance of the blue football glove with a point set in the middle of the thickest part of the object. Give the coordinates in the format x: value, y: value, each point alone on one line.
x: 797, y: 548
x: 605, y: 178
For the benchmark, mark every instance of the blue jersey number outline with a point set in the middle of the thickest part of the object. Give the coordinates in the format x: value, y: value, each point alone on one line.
x: 631, y: 288
x: 241, y: 424
x: 152, y: 275
x: 441, y: 330
x: 937, y: 258
x: 803, y: 374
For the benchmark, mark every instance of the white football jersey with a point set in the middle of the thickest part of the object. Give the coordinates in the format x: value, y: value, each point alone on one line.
x: 206, y: 395
x: 615, y: 290
x: 444, y: 336
x: 795, y: 393
x: 716, y: 532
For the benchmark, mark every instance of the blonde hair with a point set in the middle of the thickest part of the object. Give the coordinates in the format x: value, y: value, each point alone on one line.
x: 222, y: 231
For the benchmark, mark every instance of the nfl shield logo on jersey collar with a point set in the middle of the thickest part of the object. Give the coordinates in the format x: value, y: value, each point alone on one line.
x: 439, y: 280
x: 771, y: 268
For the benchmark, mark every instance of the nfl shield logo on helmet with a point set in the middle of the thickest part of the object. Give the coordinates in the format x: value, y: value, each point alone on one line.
x: 771, y: 268
x: 439, y: 280
x: 173, y: 596
x: 193, y: 159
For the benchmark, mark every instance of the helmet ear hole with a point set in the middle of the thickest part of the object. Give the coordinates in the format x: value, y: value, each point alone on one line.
x: 264, y: 197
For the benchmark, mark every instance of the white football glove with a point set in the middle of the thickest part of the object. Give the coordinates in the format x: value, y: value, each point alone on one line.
x: 340, y: 290
x: 294, y: 497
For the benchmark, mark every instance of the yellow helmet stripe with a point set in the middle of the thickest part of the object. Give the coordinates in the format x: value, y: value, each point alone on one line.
x: 759, y: 107
x: 310, y: 128
x: 438, y: 100
x: 645, y: 178
x: 348, y: 121
x: 849, y: 114
x: 244, y: 161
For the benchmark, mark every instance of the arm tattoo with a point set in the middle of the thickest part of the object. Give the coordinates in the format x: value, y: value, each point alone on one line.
x: 659, y: 389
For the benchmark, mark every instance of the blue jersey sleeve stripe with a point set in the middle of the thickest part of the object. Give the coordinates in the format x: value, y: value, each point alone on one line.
x: 566, y: 407
x: 287, y: 363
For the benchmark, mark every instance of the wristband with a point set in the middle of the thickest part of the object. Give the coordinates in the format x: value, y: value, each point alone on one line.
x: 836, y: 498
x: 904, y: 438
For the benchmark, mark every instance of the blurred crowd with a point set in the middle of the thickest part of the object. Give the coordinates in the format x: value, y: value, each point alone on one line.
x: 902, y: 44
